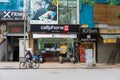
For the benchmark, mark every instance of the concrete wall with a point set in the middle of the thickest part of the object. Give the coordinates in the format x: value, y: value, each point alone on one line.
x: 2, y: 49
x: 86, y: 15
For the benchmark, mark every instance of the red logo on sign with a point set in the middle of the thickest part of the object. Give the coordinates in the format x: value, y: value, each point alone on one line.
x: 66, y: 28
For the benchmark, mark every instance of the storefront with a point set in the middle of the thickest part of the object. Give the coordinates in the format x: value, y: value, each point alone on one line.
x: 88, y: 40
x: 11, y: 17
x: 11, y: 31
x: 108, y: 43
x: 50, y: 37
x: 12, y: 27
x: 15, y: 30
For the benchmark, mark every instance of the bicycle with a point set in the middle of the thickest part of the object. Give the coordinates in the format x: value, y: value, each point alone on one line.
x: 24, y: 64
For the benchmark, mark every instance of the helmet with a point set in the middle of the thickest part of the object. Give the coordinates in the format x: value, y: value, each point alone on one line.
x: 29, y: 49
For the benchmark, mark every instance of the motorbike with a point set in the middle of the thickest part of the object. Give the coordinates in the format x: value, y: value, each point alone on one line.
x: 63, y: 58
x: 39, y: 57
x: 25, y: 63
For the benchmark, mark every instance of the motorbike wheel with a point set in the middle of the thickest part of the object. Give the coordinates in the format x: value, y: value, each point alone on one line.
x: 72, y: 59
x: 22, y: 65
x: 41, y: 60
x: 60, y: 59
x: 35, y: 64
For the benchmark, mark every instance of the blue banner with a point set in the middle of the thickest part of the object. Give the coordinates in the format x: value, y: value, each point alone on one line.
x: 11, y: 4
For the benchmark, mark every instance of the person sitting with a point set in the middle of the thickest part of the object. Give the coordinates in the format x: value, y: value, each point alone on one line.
x: 63, y: 52
x: 28, y: 55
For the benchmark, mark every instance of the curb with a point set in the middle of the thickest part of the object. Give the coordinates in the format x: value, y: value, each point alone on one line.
x: 53, y: 65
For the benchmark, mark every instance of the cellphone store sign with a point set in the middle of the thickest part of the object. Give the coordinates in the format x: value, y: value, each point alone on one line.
x: 54, y: 28
x: 50, y: 28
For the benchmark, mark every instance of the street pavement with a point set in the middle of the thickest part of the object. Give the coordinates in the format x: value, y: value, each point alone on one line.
x: 57, y: 71
x: 60, y: 74
x: 57, y: 65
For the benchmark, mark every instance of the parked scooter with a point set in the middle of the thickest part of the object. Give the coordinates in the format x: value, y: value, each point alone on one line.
x: 63, y: 58
x: 38, y: 56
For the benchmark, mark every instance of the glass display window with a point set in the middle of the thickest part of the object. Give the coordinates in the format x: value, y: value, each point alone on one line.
x: 67, y: 12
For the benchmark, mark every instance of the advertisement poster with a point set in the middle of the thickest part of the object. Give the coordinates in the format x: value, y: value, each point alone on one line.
x: 82, y: 53
x: 21, y: 47
x: 89, y: 58
x: 44, y: 12
x: 3, y: 30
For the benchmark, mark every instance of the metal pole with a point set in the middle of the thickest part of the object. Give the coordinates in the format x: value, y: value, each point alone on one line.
x: 24, y: 26
x: 6, y: 49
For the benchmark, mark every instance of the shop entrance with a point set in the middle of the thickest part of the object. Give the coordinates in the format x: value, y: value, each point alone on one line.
x: 52, y: 47
x: 13, y: 48
x: 82, y: 50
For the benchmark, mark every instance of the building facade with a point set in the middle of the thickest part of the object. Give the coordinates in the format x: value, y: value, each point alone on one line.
x: 57, y: 26
x: 18, y: 15
x: 104, y: 16
x: 62, y: 22
x: 12, y: 27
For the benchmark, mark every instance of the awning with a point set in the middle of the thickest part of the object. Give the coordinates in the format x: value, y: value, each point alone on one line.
x: 110, y: 40
x: 35, y: 35
x: 110, y: 36
x: 17, y: 34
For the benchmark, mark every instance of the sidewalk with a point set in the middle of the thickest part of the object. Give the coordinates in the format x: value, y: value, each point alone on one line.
x: 56, y: 65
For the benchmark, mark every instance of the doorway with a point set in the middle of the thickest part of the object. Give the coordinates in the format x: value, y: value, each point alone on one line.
x: 13, y: 41
x: 82, y: 50
x: 16, y: 53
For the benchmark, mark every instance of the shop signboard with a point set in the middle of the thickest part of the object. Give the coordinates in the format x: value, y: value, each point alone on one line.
x: 110, y: 31
x: 110, y: 40
x: 43, y: 12
x: 37, y: 35
x: 55, y: 28
x: 89, y: 30
x: 11, y: 15
x: 15, y: 27
x: 88, y: 35
x: 13, y: 9
x: 88, y: 38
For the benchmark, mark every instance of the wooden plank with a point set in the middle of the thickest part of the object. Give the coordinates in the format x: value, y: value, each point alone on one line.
x: 104, y: 13
x: 100, y: 13
x: 112, y: 15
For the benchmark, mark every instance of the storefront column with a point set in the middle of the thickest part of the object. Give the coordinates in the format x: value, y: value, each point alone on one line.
x: 88, y: 39
x: 31, y: 42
